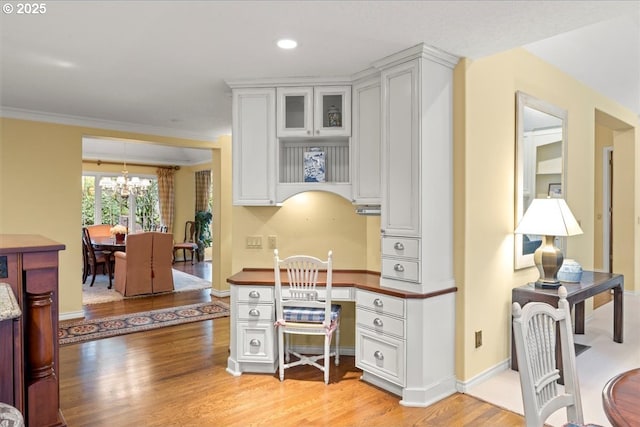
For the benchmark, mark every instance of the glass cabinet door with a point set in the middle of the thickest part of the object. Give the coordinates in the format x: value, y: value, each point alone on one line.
x: 295, y: 116
x: 332, y: 111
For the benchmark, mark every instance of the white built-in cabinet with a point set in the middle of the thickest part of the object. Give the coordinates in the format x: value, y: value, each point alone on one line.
x: 400, y: 156
x: 366, y: 179
x: 254, y: 146
x: 275, y: 129
x: 314, y: 111
x: 417, y: 170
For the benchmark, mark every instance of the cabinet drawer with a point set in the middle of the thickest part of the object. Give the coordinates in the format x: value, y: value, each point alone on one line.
x: 257, y: 294
x: 380, y: 323
x: 337, y: 294
x: 400, y: 247
x: 255, y: 312
x: 380, y: 303
x: 380, y: 355
x: 400, y: 269
x: 255, y: 343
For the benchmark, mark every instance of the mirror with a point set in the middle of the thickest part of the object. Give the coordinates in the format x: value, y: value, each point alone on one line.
x: 541, y: 135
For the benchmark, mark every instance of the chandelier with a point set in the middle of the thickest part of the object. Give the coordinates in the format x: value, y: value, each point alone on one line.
x: 123, y: 185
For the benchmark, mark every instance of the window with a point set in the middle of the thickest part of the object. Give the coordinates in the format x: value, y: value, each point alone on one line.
x: 107, y: 207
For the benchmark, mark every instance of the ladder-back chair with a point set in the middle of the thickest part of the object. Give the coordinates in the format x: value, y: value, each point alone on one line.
x: 301, y: 310
x: 536, y: 327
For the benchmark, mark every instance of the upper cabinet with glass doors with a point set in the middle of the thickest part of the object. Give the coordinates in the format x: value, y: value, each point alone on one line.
x: 314, y: 111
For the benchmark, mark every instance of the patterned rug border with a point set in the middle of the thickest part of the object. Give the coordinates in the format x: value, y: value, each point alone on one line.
x: 105, y: 327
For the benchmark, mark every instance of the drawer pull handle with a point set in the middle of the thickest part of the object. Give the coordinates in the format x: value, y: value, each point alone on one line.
x: 254, y: 343
x: 377, y: 322
x: 399, y: 268
x: 254, y: 294
x: 254, y: 312
x: 398, y: 246
x: 377, y: 302
x: 378, y: 355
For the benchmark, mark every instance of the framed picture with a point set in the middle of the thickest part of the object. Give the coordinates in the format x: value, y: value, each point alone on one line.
x: 314, y: 165
x: 555, y: 190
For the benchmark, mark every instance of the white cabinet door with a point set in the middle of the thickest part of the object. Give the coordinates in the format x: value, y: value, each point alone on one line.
x: 295, y: 111
x: 332, y: 111
x: 254, y: 147
x: 400, y: 213
x: 366, y: 163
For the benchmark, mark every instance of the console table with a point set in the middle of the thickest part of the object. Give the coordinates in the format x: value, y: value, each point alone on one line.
x: 30, y: 371
x: 592, y: 283
x: 404, y: 340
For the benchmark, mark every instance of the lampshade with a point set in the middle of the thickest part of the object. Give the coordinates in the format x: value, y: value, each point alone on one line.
x: 548, y: 217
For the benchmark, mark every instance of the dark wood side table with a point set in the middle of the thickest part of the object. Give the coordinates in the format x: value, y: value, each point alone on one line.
x: 592, y: 283
x: 621, y: 398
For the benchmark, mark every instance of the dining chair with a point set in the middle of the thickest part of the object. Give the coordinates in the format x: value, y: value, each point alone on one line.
x: 536, y: 327
x: 93, y: 259
x: 189, y: 243
x: 301, y: 309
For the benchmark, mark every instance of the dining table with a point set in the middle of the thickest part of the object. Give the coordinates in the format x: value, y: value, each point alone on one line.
x: 108, y: 246
x: 621, y: 399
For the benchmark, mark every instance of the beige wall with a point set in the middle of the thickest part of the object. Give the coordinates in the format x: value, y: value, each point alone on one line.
x: 484, y: 167
x: 311, y: 223
x: 40, y: 189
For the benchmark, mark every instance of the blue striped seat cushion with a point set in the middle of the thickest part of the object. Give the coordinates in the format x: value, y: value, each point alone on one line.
x: 309, y: 315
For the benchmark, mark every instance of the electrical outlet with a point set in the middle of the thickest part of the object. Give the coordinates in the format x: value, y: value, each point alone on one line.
x: 478, y: 338
x: 254, y: 242
x: 273, y: 242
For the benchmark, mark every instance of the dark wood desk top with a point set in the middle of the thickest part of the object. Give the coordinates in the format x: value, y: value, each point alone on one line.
x: 592, y: 283
x: 621, y: 399
x: 361, y: 279
x: 10, y: 243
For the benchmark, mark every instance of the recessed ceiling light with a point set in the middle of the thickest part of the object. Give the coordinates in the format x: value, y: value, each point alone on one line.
x: 287, y: 43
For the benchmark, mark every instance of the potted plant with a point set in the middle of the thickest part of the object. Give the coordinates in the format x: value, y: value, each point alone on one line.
x: 203, y: 223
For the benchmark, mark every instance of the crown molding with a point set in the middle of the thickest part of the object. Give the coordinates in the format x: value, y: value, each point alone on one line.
x: 42, y: 116
x: 288, y: 81
x: 418, y: 51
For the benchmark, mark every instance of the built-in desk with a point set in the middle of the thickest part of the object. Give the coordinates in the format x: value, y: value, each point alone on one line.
x: 404, y: 341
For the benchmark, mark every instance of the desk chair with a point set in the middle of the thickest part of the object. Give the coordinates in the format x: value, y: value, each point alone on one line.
x: 534, y: 333
x: 300, y: 310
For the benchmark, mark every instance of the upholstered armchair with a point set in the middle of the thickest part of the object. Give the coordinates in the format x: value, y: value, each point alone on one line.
x: 146, y: 266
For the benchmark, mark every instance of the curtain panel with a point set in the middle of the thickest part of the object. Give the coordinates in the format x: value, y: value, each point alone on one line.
x: 203, y: 184
x: 166, y: 196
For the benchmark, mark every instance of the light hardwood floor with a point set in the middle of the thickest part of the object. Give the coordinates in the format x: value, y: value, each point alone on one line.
x: 176, y: 376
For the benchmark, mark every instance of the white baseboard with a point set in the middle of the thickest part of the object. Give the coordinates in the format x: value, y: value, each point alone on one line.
x: 220, y: 294
x: 71, y: 315
x: 464, y: 386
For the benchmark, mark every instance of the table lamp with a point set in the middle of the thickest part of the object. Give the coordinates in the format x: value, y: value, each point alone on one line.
x: 549, y: 218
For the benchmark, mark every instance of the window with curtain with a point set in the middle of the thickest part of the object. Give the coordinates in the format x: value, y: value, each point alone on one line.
x: 137, y: 212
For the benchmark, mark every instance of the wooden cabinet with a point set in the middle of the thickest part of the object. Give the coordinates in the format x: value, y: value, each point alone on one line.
x: 29, y: 264
x: 366, y: 150
x: 254, y: 146
x: 314, y: 111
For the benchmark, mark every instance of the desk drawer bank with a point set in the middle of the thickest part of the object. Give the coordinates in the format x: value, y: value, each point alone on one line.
x: 404, y: 342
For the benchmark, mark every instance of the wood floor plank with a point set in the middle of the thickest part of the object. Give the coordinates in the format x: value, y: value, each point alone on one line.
x: 176, y: 376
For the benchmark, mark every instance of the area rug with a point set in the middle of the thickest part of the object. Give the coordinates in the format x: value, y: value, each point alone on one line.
x: 86, y: 330
x: 100, y: 293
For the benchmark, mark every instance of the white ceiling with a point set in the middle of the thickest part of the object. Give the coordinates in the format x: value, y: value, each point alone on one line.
x: 160, y: 67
